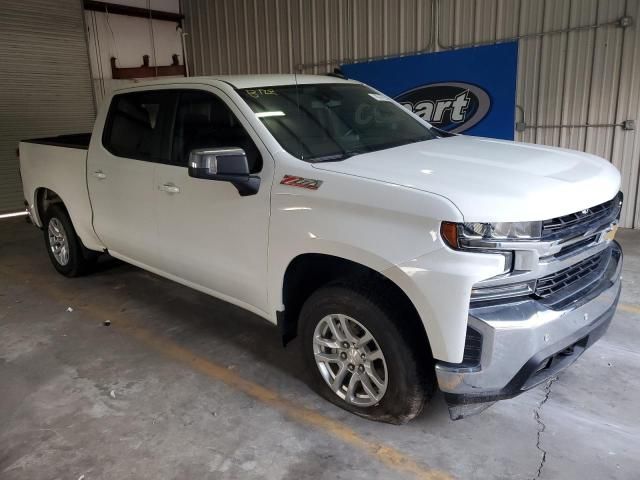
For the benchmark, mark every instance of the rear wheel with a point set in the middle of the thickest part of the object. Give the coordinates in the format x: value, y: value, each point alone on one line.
x: 363, y: 356
x: 66, y: 252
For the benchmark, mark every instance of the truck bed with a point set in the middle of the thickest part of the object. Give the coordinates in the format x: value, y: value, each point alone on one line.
x: 59, y: 164
x: 76, y: 140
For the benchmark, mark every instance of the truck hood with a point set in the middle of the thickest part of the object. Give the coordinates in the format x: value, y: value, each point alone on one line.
x: 492, y: 180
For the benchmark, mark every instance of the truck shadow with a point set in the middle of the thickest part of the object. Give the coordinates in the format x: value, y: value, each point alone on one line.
x: 214, y: 329
x: 198, y: 321
x: 189, y: 316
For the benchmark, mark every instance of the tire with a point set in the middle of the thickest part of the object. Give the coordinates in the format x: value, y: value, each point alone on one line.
x: 66, y: 252
x: 407, y: 365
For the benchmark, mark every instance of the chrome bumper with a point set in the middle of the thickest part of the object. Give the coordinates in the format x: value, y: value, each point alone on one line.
x: 525, y: 343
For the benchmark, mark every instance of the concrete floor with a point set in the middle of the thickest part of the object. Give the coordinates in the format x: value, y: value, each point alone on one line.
x: 184, y: 386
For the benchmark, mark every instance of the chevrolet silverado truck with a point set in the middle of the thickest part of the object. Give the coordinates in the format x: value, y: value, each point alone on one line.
x: 403, y: 258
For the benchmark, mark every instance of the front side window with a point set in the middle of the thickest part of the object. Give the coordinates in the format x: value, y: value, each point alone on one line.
x: 205, y: 121
x: 330, y: 122
x: 136, y: 123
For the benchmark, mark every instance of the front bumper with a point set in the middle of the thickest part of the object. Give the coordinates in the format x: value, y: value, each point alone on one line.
x: 524, y: 343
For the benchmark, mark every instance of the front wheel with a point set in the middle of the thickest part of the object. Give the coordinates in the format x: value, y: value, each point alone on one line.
x: 66, y: 252
x: 362, y: 357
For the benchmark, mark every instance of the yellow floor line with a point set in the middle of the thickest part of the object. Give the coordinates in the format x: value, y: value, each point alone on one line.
x: 387, y: 455
x: 629, y: 308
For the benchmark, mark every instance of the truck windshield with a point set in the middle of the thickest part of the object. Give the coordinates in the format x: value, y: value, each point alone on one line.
x: 331, y: 122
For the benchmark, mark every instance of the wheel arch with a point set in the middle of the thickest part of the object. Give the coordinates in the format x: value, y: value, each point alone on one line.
x: 43, y: 197
x: 309, y: 271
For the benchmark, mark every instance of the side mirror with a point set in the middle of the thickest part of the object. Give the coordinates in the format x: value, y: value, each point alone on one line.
x: 228, y: 164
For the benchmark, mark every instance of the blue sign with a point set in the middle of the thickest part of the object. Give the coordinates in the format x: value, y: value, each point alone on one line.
x: 471, y: 90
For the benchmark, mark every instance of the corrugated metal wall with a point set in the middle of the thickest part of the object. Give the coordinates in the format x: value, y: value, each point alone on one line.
x: 566, y: 79
x: 45, y: 84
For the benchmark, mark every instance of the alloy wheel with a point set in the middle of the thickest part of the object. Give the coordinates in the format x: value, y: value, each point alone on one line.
x: 58, y: 241
x: 350, y: 360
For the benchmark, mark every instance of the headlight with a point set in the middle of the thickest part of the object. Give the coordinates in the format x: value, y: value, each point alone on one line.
x: 495, y: 238
x: 485, y: 235
x: 503, y: 230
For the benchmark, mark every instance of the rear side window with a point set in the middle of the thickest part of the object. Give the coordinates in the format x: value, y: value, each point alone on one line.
x: 136, y: 124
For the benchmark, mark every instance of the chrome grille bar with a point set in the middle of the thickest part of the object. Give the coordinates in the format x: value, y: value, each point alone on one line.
x: 556, y: 282
x: 581, y: 221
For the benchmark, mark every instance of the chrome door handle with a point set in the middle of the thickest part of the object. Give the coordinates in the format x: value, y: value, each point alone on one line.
x: 99, y: 174
x: 169, y: 188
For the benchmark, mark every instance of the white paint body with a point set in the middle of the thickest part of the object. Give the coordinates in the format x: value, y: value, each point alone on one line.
x: 382, y: 210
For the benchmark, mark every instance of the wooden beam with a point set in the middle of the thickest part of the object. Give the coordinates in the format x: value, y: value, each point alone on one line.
x: 118, y: 9
x: 146, y: 71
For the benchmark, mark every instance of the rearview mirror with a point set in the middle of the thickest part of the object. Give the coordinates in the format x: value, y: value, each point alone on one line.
x: 228, y: 164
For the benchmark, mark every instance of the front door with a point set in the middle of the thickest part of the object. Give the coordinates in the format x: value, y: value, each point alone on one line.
x: 209, y: 235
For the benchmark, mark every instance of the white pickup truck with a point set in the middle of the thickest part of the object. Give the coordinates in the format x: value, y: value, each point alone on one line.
x: 403, y: 257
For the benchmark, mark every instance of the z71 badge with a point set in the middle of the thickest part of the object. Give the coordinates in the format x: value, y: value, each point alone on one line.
x: 294, y: 181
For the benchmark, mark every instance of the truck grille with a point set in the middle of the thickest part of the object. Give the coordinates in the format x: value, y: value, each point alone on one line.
x: 598, y: 215
x: 573, y: 279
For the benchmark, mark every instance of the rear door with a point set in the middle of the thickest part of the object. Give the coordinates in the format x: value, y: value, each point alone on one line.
x: 121, y: 171
x: 209, y: 235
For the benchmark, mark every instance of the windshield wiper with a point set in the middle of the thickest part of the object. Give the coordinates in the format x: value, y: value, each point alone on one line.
x: 334, y: 157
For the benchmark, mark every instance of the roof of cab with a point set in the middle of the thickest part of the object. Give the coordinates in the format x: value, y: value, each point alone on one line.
x: 246, y: 81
